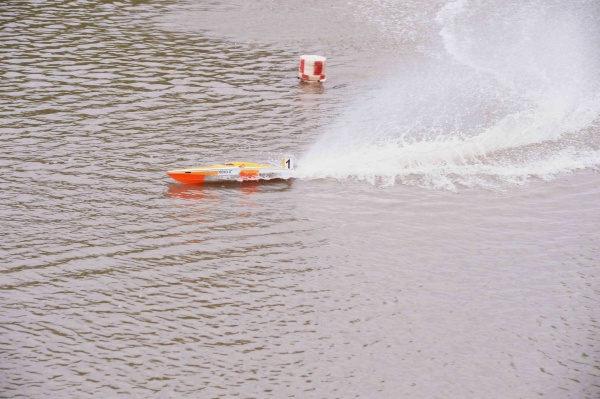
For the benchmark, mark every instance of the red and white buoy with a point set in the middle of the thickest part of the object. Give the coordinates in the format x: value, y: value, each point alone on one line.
x: 312, y: 68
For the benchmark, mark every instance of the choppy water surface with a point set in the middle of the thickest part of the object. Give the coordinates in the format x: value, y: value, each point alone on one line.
x: 442, y: 240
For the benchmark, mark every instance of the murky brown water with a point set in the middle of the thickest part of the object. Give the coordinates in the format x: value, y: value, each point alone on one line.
x: 117, y: 282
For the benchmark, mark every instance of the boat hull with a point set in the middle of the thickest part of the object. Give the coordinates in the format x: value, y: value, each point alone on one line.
x: 230, y: 171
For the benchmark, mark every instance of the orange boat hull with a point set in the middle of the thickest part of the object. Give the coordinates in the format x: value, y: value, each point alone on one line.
x: 231, y: 171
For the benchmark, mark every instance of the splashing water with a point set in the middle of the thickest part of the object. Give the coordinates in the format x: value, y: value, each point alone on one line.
x: 503, y: 93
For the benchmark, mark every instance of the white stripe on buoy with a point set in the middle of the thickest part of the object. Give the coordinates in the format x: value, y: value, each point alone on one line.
x: 312, y: 68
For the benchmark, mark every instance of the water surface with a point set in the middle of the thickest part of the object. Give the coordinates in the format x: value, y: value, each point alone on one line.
x: 458, y: 259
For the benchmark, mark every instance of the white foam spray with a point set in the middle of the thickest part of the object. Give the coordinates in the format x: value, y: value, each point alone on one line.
x: 511, y: 91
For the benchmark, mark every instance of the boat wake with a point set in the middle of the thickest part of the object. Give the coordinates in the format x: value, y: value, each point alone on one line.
x: 501, y: 94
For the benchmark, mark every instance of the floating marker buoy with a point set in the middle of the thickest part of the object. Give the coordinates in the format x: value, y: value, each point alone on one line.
x: 312, y: 68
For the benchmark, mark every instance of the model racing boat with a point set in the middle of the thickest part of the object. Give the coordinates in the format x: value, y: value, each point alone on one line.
x: 233, y: 171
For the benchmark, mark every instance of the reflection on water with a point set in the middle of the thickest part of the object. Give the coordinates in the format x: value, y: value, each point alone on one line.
x: 192, y: 191
x: 210, y: 202
x: 306, y: 89
x: 230, y: 189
